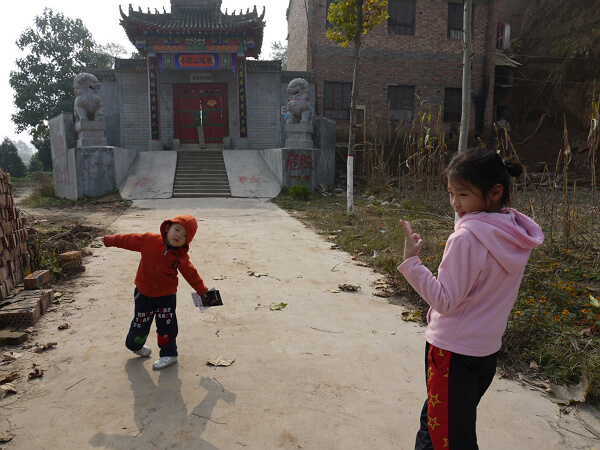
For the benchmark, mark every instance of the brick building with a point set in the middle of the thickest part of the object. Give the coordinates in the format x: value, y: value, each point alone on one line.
x: 414, y: 56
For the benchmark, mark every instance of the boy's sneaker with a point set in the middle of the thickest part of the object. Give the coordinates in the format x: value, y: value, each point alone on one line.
x: 164, y: 361
x: 144, y: 351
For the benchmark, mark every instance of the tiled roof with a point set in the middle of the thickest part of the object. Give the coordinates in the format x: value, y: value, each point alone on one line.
x: 101, y: 74
x: 309, y: 76
x: 198, y: 20
x: 191, y: 19
x: 130, y: 65
x: 263, y: 66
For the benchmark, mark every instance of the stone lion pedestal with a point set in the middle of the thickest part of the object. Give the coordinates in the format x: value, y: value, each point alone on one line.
x: 299, y: 135
x: 90, y: 133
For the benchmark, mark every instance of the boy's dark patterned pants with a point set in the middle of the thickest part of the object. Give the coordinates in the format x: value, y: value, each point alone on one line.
x: 455, y: 384
x: 146, y: 308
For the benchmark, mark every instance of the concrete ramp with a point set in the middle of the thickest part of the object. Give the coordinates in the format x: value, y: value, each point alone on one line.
x: 151, y: 175
x: 249, y: 175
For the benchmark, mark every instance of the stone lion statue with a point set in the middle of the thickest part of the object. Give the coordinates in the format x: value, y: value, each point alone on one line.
x: 88, y: 104
x: 298, y: 109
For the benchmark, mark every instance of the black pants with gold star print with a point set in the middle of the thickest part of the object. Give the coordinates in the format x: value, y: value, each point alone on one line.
x: 455, y: 384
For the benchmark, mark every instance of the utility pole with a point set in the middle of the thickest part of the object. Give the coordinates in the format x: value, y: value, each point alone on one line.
x: 466, y: 80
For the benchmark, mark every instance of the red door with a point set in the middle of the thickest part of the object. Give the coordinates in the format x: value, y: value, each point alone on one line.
x: 201, y: 105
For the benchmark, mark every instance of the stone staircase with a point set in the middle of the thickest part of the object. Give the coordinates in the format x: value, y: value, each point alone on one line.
x: 201, y: 173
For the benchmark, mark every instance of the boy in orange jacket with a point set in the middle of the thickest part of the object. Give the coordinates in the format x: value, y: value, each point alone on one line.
x: 156, y: 284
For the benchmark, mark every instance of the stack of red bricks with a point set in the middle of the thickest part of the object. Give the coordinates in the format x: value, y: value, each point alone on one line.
x: 25, y: 308
x: 16, y: 258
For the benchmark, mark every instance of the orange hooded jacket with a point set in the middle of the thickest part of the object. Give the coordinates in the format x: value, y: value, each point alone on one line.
x: 157, y: 272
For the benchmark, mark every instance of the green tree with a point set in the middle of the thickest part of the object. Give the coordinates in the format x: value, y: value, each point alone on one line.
x: 35, y: 164
x: 10, y: 161
x: 55, y: 50
x: 349, y: 20
x: 44, y: 152
x: 279, y: 51
x: 25, y: 151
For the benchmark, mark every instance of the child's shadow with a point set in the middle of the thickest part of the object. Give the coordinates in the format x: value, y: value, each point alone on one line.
x: 160, y: 413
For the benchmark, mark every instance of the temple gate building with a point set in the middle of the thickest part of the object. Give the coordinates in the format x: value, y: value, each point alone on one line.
x: 198, y: 70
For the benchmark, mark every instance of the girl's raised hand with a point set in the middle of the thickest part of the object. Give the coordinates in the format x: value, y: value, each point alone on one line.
x: 413, y: 242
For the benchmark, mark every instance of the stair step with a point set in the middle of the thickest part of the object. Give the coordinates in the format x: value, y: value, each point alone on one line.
x: 201, y: 174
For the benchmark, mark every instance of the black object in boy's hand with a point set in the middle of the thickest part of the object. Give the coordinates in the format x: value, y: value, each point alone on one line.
x: 212, y: 298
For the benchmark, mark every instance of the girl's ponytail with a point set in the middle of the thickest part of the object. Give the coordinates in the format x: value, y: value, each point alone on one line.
x: 513, y: 167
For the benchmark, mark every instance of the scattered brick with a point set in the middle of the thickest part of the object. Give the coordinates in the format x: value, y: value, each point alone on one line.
x: 37, y: 280
x: 69, y: 256
x: 12, y: 337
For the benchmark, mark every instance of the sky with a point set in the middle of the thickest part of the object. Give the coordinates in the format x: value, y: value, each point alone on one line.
x: 101, y: 18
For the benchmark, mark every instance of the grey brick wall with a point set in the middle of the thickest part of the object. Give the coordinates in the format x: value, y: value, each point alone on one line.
x: 264, y: 129
x: 135, y: 126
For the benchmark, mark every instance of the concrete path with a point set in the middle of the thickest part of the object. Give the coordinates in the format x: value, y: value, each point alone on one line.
x: 329, y: 371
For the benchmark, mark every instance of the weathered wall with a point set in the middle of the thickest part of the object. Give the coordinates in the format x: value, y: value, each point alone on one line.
x: 62, y: 138
x: 298, y: 35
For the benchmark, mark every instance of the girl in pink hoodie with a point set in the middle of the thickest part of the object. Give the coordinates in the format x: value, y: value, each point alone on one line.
x: 471, y: 298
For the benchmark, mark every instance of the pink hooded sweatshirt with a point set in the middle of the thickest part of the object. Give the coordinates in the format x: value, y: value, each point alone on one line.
x: 478, y: 280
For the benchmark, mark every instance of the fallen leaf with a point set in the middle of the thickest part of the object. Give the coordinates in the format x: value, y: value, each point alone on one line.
x: 6, y: 437
x: 333, y: 290
x: 594, y: 301
x: 569, y: 394
x: 64, y: 326
x: 277, y: 306
x: 257, y: 274
x: 220, y: 361
x: 13, y: 376
x: 36, y: 374
x: 7, y: 388
x: 349, y: 287
x: 40, y: 348
x: 411, y: 316
x: 297, y: 276
x: 58, y: 294
x: 220, y: 277
x: 382, y: 294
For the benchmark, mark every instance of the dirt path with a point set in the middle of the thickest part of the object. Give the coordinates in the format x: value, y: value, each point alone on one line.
x: 330, y: 370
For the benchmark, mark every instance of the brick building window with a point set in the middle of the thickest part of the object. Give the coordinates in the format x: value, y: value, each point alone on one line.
x: 400, y: 102
x: 402, y: 17
x: 455, y: 20
x: 452, y: 105
x: 337, y: 100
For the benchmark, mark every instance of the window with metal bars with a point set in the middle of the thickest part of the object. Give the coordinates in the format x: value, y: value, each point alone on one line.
x: 402, y: 17
x: 455, y: 20
x: 401, y: 102
x: 337, y: 100
x: 452, y: 105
